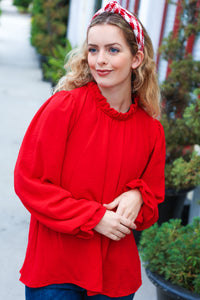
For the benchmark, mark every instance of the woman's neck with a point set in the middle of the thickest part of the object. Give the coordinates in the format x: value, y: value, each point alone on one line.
x: 118, y: 99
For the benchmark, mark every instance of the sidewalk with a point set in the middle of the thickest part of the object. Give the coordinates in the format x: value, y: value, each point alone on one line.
x: 22, y: 91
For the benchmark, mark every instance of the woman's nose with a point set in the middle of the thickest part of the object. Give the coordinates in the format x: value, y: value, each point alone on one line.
x: 102, y: 57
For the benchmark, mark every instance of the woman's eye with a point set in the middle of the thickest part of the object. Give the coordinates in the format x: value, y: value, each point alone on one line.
x: 114, y: 50
x: 92, y: 50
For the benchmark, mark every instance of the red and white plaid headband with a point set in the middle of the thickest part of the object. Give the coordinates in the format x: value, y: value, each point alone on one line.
x: 114, y: 7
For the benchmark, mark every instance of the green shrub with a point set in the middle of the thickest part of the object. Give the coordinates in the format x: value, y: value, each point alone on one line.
x: 181, y: 120
x: 49, y: 25
x: 172, y: 250
x: 186, y: 174
x: 182, y: 134
x: 22, y: 3
x: 54, y: 69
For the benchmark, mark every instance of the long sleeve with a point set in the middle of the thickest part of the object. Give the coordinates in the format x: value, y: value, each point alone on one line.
x: 152, y: 182
x: 38, y: 170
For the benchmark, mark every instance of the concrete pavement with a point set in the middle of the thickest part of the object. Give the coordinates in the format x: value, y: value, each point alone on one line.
x: 22, y: 91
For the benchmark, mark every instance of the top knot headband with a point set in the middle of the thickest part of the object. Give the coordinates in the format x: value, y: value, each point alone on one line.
x: 114, y: 7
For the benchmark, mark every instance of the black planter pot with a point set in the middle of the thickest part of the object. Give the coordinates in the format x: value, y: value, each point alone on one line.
x: 42, y: 59
x: 137, y: 235
x: 168, y: 291
x: 172, y: 207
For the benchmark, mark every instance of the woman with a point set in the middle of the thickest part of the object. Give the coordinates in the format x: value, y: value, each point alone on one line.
x: 91, y: 167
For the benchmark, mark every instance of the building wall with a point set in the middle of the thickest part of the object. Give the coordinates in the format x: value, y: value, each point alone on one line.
x: 196, y: 49
x: 157, y: 16
x: 80, y: 13
x: 151, y: 14
x: 167, y: 28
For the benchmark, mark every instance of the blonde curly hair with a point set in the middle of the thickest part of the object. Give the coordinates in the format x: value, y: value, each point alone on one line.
x: 144, y: 78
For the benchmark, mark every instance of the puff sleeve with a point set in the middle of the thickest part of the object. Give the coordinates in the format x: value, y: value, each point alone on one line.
x: 152, y: 182
x: 37, y: 175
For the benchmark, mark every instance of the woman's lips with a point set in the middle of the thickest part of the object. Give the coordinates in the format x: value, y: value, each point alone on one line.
x: 103, y: 72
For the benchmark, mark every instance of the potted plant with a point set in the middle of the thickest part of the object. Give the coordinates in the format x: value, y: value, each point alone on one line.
x: 22, y: 5
x: 54, y: 69
x: 182, y: 162
x: 179, y: 98
x: 48, y: 27
x: 170, y: 253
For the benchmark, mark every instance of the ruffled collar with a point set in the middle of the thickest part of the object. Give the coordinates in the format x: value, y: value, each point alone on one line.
x: 105, y: 106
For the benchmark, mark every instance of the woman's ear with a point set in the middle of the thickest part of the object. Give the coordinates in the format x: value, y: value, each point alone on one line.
x: 137, y: 59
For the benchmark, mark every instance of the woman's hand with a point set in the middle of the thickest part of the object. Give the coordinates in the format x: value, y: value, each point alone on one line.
x: 114, y: 226
x: 128, y: 204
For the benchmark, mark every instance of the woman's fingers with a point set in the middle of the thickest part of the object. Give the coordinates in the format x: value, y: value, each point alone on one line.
x: 123, y: 229
x: 127, y: 213
x: 114, y: 226
x: 114, y: 237
x: 127, y: 223
x: 112, y: 204
x: 118, y: 234
x: 128, y: 204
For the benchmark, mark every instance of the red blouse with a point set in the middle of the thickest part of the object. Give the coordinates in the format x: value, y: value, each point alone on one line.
x: 77, y: 154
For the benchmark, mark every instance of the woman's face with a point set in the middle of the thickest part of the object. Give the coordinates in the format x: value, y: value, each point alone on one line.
x: 109, y: 57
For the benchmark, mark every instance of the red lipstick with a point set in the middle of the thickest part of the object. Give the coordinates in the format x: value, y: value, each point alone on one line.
x: 103, y: 72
